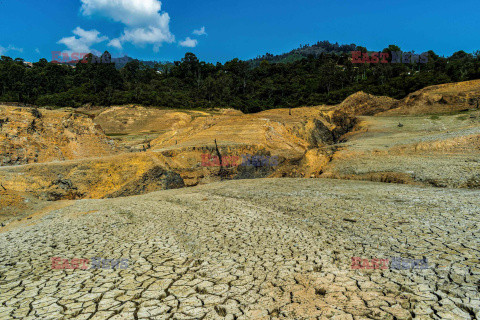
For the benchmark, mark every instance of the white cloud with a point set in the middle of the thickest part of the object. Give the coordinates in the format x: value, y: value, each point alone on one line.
x: 37, y: 50
x: 116, y: 44
x: 144, y: 22
x: 200, y: 32
x: 12, y: 48
x: 189, y: 43
x: 84, y: 41
x: 128, y: 12
x: 151, y: 35
x: 4, y: 50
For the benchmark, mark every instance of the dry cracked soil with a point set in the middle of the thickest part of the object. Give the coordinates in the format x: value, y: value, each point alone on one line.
x: 249, y: 249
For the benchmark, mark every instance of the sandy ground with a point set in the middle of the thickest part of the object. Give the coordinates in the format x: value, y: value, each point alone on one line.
x: 443, y: 151
x: 250, y: 249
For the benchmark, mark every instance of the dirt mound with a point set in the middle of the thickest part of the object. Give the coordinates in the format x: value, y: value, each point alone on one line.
x: 277, y: 131
x: 445, y: 98
x: 464, y: 144
x: 441, y: 151
x: 134, y: 127
x: 136, y: 119
x: 30, y: 135
x: 16, y: 205
x: 157, y: 178
x: 122, y: 120
x: 121, y: 175
x: 9, y: 200
x: 290, y: 135
x: 364, y: 104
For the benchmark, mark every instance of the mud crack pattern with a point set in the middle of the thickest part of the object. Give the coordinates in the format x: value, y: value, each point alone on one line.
x: 252, y: 249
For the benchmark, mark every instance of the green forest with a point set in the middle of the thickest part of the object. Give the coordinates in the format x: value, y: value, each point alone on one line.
x: 306, y: 76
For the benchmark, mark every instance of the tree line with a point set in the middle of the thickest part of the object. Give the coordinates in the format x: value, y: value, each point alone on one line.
x: 326, y: 78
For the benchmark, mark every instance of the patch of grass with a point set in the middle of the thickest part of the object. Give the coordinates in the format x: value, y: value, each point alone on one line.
x: 221, y: 311
x: 275, y: 312
x: 434, y: 117
x: 201, y: 290
x: 197, y: 263
x: 462, y: 118
x: 128, y: 214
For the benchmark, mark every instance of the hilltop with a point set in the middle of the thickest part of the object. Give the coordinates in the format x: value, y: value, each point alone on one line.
x: 304, y: 51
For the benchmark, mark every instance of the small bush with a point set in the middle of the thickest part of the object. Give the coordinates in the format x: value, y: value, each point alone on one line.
x: 320, y: 291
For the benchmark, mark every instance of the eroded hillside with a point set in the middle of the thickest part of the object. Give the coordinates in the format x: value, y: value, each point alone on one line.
x: 301, y: 139
x: 31, y: 135
x: 364, y: 104
x: 439, y: 150
x: 144, y: 149
x: 443, y: 98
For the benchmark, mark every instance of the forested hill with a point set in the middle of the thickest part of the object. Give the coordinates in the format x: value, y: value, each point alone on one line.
x: 327, y: 78
x: 120, y: 62
x: 304, y: 51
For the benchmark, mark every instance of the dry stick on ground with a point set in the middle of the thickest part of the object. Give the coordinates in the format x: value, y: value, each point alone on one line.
x: 3, y: 187
x: 222, y: 172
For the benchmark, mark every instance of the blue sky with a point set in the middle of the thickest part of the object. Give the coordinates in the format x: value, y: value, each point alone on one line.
x: 164, y: 30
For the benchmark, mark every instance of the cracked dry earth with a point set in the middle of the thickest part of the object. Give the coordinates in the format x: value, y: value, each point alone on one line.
x: 250, y: 249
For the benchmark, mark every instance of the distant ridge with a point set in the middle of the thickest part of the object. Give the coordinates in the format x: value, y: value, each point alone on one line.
x: 121, y: 62
x: 304, y: 51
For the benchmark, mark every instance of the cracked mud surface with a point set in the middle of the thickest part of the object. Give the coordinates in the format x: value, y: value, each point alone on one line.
x: 250, y: 249
x: 443, y: 151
